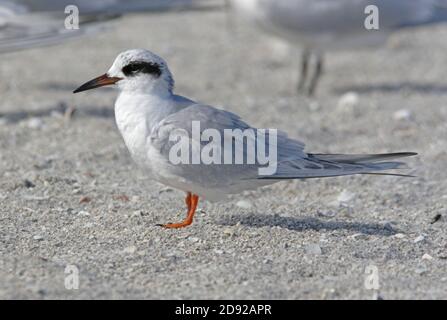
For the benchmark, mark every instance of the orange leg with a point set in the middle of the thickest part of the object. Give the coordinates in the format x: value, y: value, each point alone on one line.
x: 191, y: 201
x: 188, y: 200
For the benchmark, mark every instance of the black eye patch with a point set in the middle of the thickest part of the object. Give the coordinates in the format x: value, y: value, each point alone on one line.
x: 135, y: 68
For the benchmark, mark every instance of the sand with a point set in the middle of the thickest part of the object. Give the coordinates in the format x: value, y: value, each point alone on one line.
x: 71, y: 196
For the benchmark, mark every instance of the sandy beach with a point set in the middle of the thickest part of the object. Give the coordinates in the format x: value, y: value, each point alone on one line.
x: 70, y: 195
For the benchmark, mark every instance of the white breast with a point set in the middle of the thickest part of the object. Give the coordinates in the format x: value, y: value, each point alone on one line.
x: 136, y: 115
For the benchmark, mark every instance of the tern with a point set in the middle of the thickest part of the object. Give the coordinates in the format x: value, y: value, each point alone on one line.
x: 148, y: 113
x: 319, y: 26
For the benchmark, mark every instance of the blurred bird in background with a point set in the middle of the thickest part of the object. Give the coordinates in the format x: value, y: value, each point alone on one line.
x: 29, y: 23
x: 317, y: 26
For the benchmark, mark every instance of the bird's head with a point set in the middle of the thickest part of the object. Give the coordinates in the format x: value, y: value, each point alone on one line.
x: 135, y: 70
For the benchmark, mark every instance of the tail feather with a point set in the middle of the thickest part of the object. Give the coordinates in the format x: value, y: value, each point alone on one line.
x: 361, y: 158
x: 381, y: 166
x: 390, y: 174
x: 332, y: 165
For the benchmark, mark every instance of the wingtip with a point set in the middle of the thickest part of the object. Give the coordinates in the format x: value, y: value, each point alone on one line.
x: 409, y: 154
x: 401, y: 154
x: 390, y: 174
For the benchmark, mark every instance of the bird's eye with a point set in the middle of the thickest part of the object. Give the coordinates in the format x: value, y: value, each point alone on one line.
x: 131, y: 68
x: 142, y: 67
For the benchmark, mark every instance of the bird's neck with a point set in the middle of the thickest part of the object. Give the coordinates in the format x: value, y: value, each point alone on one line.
x: 136, y: 116
x: 143, y: 109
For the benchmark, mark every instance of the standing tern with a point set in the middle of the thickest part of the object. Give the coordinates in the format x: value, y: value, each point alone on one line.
x: 148, y: 113
x: 323, y: 25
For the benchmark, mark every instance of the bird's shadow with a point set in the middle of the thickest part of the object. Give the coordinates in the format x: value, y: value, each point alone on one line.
x: 422, y: 88
x: 303, y: 224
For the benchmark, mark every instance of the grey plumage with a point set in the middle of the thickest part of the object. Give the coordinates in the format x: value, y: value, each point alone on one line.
x: 293, y: 162
x: 332, y: 165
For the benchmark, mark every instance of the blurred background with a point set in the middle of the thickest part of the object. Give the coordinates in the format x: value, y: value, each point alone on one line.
x: 70, y: 194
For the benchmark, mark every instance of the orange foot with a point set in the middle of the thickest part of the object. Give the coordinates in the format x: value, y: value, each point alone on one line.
x: 191, y: 201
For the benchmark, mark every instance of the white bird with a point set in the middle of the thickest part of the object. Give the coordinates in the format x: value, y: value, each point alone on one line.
x: 323, y: 25
x: 148, y: 112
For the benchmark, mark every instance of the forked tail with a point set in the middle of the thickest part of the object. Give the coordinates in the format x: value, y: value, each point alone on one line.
x: 332, y: 165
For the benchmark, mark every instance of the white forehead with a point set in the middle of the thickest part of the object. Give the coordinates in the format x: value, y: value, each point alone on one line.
x: 126, y: 57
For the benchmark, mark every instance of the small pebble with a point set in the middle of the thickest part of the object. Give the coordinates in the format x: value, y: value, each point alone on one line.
x: 137, y: 213
x: 245, y: 204
x: 228, y: 231
x: 38, y: 237
x: 421, y: 270
x: 419, y: 239
x: 388, y: 226
x: 426, y: 256
x: 327, y: 213
x: 83, y: 213
x: 314, y: 249
x: 121, y: 197
x: 28, y: 184
x: 348, y: 102
x: 85, y: 199
x: 399, y: 235
x: 140, y: 213
x: 436, y: 218
x: 34, y: 123
x: 345, y: 196
x: 358, y: 236
x: 343, y: 199
x: 194, y: 239
x: 402, y: 115
x: 131, y: 249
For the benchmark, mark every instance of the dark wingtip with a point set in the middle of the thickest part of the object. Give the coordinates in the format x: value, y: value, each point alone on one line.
x: 390, y: 174
x: 408, y: 154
